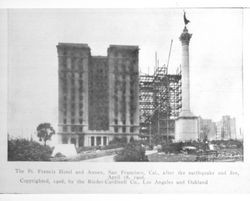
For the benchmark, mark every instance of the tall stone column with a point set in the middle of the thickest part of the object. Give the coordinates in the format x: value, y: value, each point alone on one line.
x: 185, y: 39
x: 186, y: 125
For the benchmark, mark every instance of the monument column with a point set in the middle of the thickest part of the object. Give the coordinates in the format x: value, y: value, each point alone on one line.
x: 186, y: 125
x: 185, y: 38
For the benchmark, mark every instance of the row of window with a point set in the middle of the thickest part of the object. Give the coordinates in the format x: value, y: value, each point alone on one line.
x: 73, y: 128
x: 73, y: 105
x: 65, y: 76
x: 98, y: 141
x: 124, y: 122
x: 73, y: 89
x: 131, y: 129
x: 123, y: 68
x: 72, y: 98
x: 74, y: 63
x: 80, y: 129
x: 73, y: 113
x: 73, y: 121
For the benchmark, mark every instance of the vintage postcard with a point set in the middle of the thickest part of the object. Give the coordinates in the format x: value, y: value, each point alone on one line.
x: 124, y: 100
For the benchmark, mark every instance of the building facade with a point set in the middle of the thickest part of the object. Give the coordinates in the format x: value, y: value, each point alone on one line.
x: 218, y: 130
x: 207, y: 129
x: 98, y: 95
x: 226, y: 128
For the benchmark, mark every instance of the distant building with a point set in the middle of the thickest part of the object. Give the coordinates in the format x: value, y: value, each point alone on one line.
x: 226, y: 128
x: 98, y: 95
x: 218, y: 130
x: 233, y: 128
x: 207, y: 129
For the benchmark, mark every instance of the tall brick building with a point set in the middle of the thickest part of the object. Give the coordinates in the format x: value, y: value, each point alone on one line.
x: 98, y: 95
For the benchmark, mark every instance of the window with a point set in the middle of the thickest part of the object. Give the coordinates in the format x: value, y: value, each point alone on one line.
x: 64, y: 140
x: 73, y: 141
x: 65, y: 121
x: 65, y: 129
x: 64, y: 89
x: 131, y: 129
x: 64, y: 62
x: 123, y: 129
x: 116, y: 130
x: 80, y: 63
x: 72, y: 121
x: 80, y: 129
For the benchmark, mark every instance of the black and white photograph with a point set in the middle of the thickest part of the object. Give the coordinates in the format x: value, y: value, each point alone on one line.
x: 114, y: 85
x: 124, y: 100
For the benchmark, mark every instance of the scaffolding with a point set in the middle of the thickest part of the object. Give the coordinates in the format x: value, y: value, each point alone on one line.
x: 160, y: 103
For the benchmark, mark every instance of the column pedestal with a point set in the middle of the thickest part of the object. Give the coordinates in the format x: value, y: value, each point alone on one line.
x: 186, y: 128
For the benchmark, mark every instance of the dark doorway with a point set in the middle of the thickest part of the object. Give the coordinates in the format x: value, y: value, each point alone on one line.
x: 92, y: 141
x: 81, y: 141
x: 104, y: 141
x: 98, y: 141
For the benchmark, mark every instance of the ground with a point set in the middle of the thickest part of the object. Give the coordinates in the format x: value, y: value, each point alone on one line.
x: 162, y: 157
x: 111, y: 157
x: 224, y: 155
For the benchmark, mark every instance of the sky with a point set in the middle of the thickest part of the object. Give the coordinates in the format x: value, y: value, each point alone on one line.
x: 215, y: 55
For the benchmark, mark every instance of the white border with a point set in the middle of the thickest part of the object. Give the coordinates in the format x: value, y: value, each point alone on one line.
x: 131, y: 4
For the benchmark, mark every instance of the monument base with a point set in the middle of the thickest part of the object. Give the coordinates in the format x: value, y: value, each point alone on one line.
x: 186, y: 128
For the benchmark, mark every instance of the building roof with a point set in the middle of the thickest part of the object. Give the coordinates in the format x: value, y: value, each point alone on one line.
x: 76, y: 45
x: 132, y: 47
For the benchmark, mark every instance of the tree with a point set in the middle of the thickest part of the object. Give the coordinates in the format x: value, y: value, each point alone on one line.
x: 20, y: 149
x: 45, y: 132
x: 133, y: 151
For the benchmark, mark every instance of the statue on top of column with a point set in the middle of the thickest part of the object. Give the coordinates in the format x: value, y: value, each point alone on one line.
x: 186, y: 21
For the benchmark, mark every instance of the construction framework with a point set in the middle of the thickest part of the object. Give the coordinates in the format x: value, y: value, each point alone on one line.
x: 160, y: 103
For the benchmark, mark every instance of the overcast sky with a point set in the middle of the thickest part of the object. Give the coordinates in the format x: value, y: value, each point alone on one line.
x: 215, y: 55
